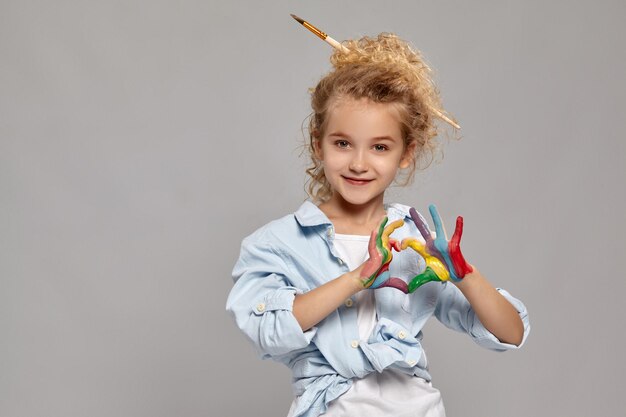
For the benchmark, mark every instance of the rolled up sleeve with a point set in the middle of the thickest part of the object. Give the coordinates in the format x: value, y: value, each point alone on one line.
x: 261, y: 301
x: 455, y: 312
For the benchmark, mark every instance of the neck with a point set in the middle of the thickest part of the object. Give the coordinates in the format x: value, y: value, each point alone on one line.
x: 353, y: 218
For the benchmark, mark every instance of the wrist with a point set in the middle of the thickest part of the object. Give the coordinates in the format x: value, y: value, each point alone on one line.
x: 469, y: 277
x: 354, y: 280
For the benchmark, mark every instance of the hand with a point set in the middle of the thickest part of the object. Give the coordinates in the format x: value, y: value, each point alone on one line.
x: 375, y: 271
x: 444, y: 260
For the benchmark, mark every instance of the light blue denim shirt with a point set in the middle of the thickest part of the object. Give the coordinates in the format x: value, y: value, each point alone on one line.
x: 295, y: 254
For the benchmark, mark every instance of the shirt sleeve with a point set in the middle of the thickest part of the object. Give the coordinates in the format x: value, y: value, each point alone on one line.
x: 455, y: 312
x: 261, y: 301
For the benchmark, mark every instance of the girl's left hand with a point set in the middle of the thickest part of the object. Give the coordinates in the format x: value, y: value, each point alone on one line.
x: 444, y: 260
x: 375, y: 271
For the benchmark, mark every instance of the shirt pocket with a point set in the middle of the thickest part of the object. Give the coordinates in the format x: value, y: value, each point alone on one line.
x: 422, y: 302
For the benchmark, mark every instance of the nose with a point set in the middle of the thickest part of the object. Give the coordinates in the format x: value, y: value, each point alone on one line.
x: 358, y: 163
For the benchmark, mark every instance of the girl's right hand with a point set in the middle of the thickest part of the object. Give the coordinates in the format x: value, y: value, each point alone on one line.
x: 374, y: 273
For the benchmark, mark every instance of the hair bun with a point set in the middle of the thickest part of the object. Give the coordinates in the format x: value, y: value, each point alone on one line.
x: 386, y: 48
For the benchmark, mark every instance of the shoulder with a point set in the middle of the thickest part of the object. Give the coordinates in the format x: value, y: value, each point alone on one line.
x: 281, y: 244
x: 273, y: 233
x: 283, y: 231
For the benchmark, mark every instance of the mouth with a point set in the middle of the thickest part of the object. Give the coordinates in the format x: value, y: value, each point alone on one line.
x: 357, y: 181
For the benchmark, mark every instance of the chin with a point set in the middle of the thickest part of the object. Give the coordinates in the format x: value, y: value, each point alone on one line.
x: 357, y: 200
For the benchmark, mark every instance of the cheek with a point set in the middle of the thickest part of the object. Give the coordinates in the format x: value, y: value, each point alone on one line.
x: 333, y: 162
x: 390, y: 165
x: 331, y: 155
x: 392, y: 172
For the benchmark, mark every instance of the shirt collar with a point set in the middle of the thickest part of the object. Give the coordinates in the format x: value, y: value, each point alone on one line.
x: 309, y: 215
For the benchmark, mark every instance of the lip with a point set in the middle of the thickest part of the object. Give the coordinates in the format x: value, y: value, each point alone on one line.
x: 357, y: 181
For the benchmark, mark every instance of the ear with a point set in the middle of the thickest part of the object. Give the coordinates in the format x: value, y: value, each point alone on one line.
x: 317, y: 148
x: 408, y: 156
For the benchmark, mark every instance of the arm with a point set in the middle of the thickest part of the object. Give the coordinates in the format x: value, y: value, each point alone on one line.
x: 446, y: 262
x: 494, y: 311
x: 312, y: 307
x: 261, y: 301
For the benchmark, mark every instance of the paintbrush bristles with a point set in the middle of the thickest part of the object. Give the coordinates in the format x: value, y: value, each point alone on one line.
x: 301, y: 21
x: 322, y: 35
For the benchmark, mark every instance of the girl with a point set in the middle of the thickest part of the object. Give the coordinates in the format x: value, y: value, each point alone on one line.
x: 303, y: 290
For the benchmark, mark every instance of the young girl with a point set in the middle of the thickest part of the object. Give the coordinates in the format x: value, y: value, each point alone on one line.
x: 303, y: 290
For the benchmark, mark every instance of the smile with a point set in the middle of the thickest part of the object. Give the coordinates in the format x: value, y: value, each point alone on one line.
x: 357, y: 181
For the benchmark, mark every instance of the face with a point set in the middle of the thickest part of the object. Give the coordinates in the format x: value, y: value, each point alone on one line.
x: 361, y: 150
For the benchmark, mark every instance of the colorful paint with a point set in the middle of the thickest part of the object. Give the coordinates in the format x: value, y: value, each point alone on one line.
x: 375, y: 272
x: 444, y: 260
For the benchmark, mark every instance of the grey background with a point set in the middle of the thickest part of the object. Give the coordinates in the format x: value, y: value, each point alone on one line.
x: 141, y: 141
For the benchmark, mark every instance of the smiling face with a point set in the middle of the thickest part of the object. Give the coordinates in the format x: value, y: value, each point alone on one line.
x: 361, y: 150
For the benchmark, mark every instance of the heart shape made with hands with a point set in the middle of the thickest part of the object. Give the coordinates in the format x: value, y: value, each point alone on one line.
x: 444, y: 260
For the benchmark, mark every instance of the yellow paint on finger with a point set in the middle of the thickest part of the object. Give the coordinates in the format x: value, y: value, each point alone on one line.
x: 433, y: 262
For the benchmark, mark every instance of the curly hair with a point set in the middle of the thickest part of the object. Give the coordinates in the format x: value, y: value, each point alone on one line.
x: 384, y: 69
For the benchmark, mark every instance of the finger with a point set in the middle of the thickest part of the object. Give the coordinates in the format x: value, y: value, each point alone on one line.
x: 458, y: 232
x: 437, y: 221
x: 391, y: 227
x: 381, y: 234
x: 371, y: 246
x: 416, y: 245
x: 393, y: 243
x: 438, y: 268
x: 382, y: 224
x: 396, y: 283
x: 441, y: 241
x: 389, y: 230
x: 427, y: 276
x: 461, y: 267
x: 421, y: 224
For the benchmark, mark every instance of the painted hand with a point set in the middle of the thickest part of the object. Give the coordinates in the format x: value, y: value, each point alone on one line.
x: 444, y: 260
x: 375, y: 272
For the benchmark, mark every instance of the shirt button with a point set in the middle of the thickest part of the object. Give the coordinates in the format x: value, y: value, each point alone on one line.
x: 401, y: 334
x: 355, y: 344
x: 411, y: 362
x: 340, y: 261
x: 349, y: 302
x: 260, y: 307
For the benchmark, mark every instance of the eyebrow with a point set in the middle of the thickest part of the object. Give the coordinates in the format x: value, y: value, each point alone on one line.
x: 341, y: 134
x: 377, y: 138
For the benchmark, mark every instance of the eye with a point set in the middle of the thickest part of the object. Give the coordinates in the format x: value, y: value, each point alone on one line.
x: 381, y: 148
x: 342, y: 144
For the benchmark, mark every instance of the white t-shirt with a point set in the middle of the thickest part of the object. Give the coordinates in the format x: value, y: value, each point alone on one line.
x: 352, y: 250
x: 390, y: 393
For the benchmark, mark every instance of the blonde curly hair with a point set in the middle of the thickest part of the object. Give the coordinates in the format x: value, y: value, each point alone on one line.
x: 384, y: 69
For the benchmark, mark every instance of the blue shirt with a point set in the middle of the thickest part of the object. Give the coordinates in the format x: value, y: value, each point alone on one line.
x: 295, y: 254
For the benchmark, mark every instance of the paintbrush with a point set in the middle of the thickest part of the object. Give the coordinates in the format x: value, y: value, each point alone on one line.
x: 323, y: 36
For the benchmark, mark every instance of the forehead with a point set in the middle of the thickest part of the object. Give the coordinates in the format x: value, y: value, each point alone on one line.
x: 363, y: 117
